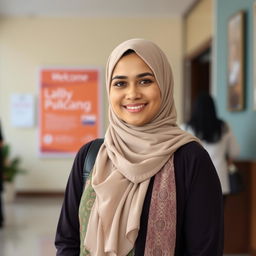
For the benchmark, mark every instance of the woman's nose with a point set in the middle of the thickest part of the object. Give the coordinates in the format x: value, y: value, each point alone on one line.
x: 133, y: 92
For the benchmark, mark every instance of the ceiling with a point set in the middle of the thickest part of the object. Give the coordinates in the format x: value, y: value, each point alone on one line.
x: 95, y: 8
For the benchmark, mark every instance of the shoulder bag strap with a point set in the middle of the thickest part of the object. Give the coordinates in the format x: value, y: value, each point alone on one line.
x: 90, y: 157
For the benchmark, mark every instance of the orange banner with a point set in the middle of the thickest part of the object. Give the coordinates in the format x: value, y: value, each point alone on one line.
x: 70, y: 110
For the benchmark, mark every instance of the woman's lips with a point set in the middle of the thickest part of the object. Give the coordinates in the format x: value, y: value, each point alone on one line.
x: 134, y: 108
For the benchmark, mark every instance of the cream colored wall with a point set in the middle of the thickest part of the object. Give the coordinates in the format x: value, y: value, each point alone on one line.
x: 28, y: 43
x: 198, y: 25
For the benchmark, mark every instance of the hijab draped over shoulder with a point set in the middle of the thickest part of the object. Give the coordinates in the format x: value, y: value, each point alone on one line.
x: 129, y: 157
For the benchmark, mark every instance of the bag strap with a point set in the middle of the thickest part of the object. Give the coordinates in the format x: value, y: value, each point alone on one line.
x: 90, y: 158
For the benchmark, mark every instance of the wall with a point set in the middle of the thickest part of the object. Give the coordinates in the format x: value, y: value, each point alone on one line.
x: 27, y: 43
x: 198, y: 25
x: 243, y: 122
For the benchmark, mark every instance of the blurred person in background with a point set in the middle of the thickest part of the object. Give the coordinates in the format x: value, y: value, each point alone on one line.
x: 216, y: 137
x: 1, y: 179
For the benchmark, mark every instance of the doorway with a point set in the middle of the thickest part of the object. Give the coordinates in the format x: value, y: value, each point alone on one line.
x: 197, y: 76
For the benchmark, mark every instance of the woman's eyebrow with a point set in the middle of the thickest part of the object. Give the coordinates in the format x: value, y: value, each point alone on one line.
x: 145, y: 74
x: 138, y: 76
x: 119, y: 77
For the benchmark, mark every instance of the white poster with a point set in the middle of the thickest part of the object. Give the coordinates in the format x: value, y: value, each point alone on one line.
x: 22, y: 110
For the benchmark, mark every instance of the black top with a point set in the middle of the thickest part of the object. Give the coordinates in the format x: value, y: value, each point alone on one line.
x: 199, y: 229
x: 1, y: 135
x: 1, y: 159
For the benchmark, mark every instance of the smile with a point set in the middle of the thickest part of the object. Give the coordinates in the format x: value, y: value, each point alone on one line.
x: 135, y: 108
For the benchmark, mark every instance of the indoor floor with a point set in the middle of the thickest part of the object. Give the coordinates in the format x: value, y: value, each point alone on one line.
x: 30, y: 227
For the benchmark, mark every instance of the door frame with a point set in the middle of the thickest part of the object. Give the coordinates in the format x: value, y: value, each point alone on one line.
x: 187, y: 68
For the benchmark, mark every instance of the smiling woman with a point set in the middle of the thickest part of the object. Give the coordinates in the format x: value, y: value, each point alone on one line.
x: 134, y: 93
x: 153, y: 189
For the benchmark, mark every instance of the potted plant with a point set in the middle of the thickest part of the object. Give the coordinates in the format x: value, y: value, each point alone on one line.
x: 11, y: 168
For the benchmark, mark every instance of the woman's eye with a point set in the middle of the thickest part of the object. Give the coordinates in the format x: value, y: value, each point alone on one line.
x: 146, y: 81
x: 119, y: 83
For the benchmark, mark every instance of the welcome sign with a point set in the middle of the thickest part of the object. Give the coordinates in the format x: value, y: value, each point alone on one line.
x: 69, y: 109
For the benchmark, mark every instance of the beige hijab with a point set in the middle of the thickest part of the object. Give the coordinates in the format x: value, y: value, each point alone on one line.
x: 129, y: 157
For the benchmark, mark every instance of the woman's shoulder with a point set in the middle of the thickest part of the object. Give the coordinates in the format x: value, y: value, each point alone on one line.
x: 191, y: 154
x: 79, y: 160
x: 192, y: 165
x: 84, y: 148
x: 192, y: 148
x: 82, y: 152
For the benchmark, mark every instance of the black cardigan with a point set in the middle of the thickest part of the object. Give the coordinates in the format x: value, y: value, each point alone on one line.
x: 199, y: 229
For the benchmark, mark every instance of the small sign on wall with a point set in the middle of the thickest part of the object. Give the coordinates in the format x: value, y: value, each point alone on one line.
x: 22, y: 110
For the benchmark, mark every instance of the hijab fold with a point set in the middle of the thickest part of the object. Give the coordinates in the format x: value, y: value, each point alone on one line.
x: 129, y: 157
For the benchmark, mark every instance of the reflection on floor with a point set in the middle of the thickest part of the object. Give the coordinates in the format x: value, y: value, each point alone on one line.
x: 30, y: 227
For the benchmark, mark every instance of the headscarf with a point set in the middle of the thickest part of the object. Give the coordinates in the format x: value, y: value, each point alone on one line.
x: 129, y: 157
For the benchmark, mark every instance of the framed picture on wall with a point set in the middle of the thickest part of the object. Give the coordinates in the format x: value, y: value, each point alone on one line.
x: 235, y: 99
x: 254, y: 55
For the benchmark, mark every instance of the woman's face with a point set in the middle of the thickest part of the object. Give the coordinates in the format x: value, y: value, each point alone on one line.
x: 134, y: 93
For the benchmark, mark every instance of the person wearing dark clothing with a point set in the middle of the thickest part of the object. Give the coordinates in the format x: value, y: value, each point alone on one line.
x: 1, y: 179
x: 153, y: 189
x: 216, y: 136
x: 191, y: 164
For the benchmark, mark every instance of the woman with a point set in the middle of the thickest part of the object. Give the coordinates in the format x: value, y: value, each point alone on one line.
x: 1, y: 179
x: 153, y: 189
x: 216, y: 136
